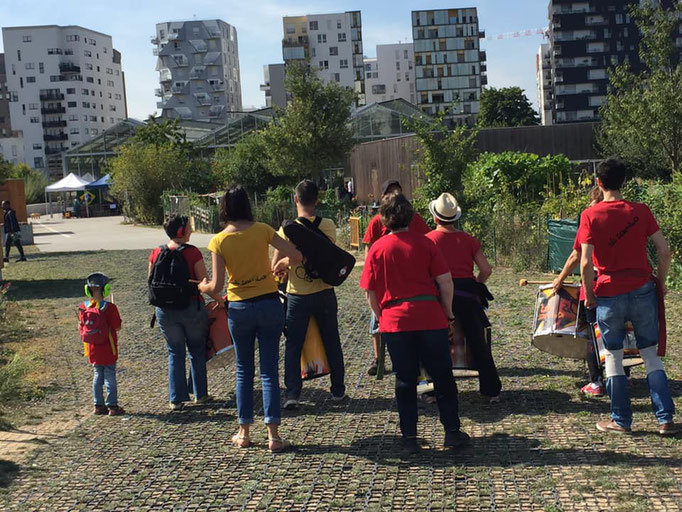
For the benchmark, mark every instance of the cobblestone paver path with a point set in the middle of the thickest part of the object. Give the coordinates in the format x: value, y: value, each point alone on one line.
x: 537, y: 450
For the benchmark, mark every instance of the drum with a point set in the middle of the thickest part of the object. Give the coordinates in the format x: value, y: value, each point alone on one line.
x: 219, y: 347
x: 463, y: 364
x: 558, y: 329
x: 314, y: 361
x: 630, y: 352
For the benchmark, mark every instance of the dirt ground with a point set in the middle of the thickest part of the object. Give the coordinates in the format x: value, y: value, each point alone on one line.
x: 537, y: 450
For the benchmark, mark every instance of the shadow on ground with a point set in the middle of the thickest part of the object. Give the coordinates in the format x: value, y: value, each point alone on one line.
x: 8, y: 472
x: 25, y: 289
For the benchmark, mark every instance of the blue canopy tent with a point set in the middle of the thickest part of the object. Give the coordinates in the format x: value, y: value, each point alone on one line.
x: 101, y: 184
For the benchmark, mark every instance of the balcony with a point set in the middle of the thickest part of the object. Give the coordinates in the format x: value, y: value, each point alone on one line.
x: 301, y: 41
x: 155, y: 52
x: 173, y: 36
x: 51, y: 96
x: 199, y: 45
x: 179, y: 60
x: 53, y: 110
x: 54, y: 151
x: 217, y: 86
x: 214, y: 33
x: 484, y: 68
x: 197, y: 73
x: 203, y: 98
x: 159, y: 92
x: 54, y: 124
x: 178, y: 88
x: 160, y: 104
x: 60, y: 136
x: 154, y: 40
x: 165, y: 76
x: 484, y: 80
x: 481, y: 34
x: 482, y: 56
x: 68, y: 67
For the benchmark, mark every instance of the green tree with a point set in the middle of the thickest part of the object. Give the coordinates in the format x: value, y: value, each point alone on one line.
x: 6, y: 170
x: 313, y: 132
x: 141, y: 173
x: 247, y: 163
x: 507, y: 106
x: 642, y: 117
x: 160, y: 133
x: 443, y: 156
x: 34, y: 183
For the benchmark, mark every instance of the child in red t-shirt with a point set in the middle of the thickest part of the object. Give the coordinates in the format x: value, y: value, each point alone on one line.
x: 98, y: 322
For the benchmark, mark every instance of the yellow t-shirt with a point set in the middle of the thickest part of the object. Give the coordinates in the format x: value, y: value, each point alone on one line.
x: 299, y: 281
x: 247, y: 261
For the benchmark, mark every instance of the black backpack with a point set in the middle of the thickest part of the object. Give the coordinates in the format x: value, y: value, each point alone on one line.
x: 323, y: 258
x: 169, y: 285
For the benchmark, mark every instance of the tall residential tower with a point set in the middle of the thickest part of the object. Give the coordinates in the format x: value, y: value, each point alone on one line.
x: 450, y: 65
x: 391, y: 75
x: 332, y: 43
x: 65, y: 85
x: 198, y: 69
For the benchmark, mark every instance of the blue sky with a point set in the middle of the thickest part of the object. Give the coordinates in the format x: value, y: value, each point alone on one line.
x: 259, y: 27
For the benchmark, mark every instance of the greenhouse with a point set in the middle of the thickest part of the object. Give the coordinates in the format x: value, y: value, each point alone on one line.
x: 382, y: 120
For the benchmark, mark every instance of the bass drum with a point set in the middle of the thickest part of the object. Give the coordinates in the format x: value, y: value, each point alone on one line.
x: 463, y: 364
x: 630, y: 353
x: 314, y: 361
x: 557, y: 326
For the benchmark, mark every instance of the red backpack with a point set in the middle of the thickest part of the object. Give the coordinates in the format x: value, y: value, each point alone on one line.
x: 93, y: 325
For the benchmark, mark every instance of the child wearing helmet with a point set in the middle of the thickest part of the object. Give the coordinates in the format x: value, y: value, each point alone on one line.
x: 98, y: 322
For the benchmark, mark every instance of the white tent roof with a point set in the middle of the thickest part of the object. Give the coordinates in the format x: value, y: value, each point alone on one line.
x: 68, y: 184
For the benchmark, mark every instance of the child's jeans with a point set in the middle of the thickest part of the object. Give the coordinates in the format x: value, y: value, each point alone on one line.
x: 105, y: 375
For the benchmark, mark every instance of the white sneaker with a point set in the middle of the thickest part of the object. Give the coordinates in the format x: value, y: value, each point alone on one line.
x: 176, y: 407
x: 290, y: 403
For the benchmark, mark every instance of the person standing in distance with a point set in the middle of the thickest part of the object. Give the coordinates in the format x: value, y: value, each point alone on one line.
x: 375, y: 230
x: 12, y: 232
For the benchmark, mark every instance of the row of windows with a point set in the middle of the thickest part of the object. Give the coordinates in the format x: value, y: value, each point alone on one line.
x: 324, y: 64
x: 314, y: 25
x: 341, y: 37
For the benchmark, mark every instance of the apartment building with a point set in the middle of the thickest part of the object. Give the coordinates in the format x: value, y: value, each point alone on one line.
x: 391, y: 74
x: 65, y: 84
x: 273, y: 85
x: 5, y: 125
x: 449, y: 63
x: 198, y: 65
x: 333, y: 45
x: 543, y: 65
x: 586, y: 38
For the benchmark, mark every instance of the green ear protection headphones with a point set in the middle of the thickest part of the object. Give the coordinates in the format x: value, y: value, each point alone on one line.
x: 97, y: 280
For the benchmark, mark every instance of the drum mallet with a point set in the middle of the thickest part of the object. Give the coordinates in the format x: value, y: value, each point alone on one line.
x: 525, y: 282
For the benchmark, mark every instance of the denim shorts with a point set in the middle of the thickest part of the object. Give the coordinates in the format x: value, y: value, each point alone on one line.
x: 373, y: 324
x: 639, y: 306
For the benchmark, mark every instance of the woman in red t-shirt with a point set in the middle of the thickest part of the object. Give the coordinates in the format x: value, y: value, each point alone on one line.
x: 461, y: 251
x: 409, y: 289
x: 185, y: 330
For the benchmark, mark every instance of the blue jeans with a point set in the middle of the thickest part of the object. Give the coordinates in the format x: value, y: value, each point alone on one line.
x: 262, y: 319
x: 324, y: 308
x: 432, y: 349
x: 105, y: 375
x: 640, y: 307
x: 185, y: 331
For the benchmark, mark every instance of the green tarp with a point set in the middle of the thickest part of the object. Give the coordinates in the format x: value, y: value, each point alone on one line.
x: 561, y: 237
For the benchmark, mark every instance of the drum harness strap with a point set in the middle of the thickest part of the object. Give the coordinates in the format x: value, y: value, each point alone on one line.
x: 416, y: 298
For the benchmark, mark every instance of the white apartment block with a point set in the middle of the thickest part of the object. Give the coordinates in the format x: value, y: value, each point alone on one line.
x: 273, y: 85
x: 332, y: 43
x: 543, y: 62
x: 391, y: 75
x: 12, y: 149
x: 66, y: 86
x: 198, y: 65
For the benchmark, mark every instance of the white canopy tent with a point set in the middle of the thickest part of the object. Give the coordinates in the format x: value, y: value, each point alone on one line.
x: 70, y: 183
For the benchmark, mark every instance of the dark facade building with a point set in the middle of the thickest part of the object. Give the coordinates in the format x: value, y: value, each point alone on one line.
x: 586, y: 39
x: 5, y: 127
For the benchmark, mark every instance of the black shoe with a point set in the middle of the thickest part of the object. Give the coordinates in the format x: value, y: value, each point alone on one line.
x: 6, y: 260
x: 456, y: 439
x: 410, y: 445
x: 373, y: 368
x: 21, y: 259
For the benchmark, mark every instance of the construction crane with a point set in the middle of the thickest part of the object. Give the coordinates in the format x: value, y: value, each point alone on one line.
x: 520, y: 33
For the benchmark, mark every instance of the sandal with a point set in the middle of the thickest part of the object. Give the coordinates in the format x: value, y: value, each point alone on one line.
x: 428, y: 398
x: 278, y: 445
x: 240, y: 441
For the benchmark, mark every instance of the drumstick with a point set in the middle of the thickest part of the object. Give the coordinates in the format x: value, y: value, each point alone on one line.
x: 524, y: 282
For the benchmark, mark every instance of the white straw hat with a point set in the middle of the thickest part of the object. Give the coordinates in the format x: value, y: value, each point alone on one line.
x: 445, y: 208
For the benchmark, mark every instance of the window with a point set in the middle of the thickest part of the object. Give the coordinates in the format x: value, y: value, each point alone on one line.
x: 324, y: 64
x: 68, y: 51
x: 111, y: 71
x: 26, y: 39
x: 117, y: 72
x: 73, y: 131
x: 95, y: 131
x: 313, y: 25
x: 37, y: 146
x: 337, y: 77
x: 73, y: 37
x: 41, y: 67
x: 117, y: 96
x: 338, y: 23
x: 89, y: 80
x: 343, y: 63
x: 397, y: 77
x: 72, y: 104
x: 333, y: 50
x: 112, y: 108
x: 88, y: 66
x: 407, y: 77
x: 104, y: 50
x: 86, y: 131
x: 405, y: 54
x: 109, y: 94
x: 33, y: 106
x: 397, y: 65
x: 110, y: 83
x: 30, y: 79
x: 111, y: 120
x: 35, y: 119
x: 342, y: 36
x: 86, y: 104
x: 19, y: 55
x: 85, y: 92
x: 87, y: 53
x: 73, y: 117
x: 379, y: 89
x: 54, y: 51
x: 321, y: 38
x: 93, y: 119
x: 30, y: 65
x: 38, y: 162
x: 313, y: 52
x: 291, y: 28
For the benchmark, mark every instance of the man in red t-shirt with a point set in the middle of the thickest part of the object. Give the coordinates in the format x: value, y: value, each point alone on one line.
x: 613, y: 237
x: 375, y: 230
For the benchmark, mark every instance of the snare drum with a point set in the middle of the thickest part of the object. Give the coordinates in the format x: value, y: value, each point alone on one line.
x: 630, y: 353
x: 557, y: 326
x: 219, y: 347
x: 314, y: 361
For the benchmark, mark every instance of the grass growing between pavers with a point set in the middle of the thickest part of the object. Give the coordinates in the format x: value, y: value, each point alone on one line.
x: 537, y: 450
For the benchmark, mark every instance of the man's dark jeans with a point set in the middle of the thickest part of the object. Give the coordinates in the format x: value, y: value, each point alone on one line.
x: 322, y: 305
x: 13, y: 238
x: 432, y: 349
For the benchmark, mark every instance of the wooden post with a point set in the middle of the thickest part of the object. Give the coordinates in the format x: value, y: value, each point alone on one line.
x: 354, y: 232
